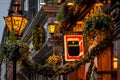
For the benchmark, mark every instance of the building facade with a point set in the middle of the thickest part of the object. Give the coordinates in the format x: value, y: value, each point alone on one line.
x: 40, y: 16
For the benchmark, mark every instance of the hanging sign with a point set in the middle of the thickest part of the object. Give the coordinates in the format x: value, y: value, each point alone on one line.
x: 73, y: 45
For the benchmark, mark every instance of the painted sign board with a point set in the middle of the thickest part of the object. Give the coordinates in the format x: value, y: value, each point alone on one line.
x: 73, y: 45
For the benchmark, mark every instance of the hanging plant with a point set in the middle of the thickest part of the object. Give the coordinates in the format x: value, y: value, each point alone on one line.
x: 61, y: 16
x: 99, y: 22
x: 96, y: 27
x: 38, y: 37
x: 9, y: 48
x: 66, y: 13
x: 54, y: 60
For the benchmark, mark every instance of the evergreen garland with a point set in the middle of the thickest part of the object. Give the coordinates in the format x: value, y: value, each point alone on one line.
x: 47, y: 69
x: 54, y: 70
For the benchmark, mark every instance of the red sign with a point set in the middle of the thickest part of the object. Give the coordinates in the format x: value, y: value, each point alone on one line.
x: 73, y: 47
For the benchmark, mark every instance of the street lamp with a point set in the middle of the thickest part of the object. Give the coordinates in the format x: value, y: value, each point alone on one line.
x: 51, y: 28
x: 16, y: 23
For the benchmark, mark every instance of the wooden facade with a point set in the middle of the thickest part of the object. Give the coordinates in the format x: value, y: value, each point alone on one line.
x: 115, y: 15
x: 105, y: 69
x: 78, y: 74
x: 104, y: 61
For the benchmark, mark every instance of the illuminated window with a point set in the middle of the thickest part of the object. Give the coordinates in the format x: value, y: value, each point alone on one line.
x: 115, y: 51
x: 115, y: 63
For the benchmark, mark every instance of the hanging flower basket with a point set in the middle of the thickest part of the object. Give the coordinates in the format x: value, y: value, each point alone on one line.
x: 38, y: 37
x: 99, y: 22
x: 98, y: 26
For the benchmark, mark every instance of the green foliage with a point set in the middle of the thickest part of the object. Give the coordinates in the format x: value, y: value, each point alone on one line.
x: 3, y: 51
x: 96, y: 25
x: 99, y: 21
x: 38, y: 37
x: 66, y: 13
x: 48, y: 70
x: 61, y: 16
x: 54, y: 70
x: 78, y: 2
x: 8, y: 48
x: 12, y: 36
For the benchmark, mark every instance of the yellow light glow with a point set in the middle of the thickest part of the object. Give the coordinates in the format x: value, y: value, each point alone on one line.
x: 16, y: 24
x: 24, y: 22
x: 115, y: 63
x: 80, y: 22
x: 58, y: 1
x: 8, y: 22
x: 42, y: 3
x: 51, y: 27
x: 98, y: 4
x: 56, y: 22
x: 115, y: 59
x: 70, y: 4
x: 79, y: 26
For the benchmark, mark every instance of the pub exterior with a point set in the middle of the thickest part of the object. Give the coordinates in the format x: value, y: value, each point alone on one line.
x: 85, y: 45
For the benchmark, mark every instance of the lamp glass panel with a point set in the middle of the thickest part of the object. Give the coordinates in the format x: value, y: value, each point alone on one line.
x: 8, y: 22
x: 52, y: 28
x: 24, y: 22
x: 16, y: 22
